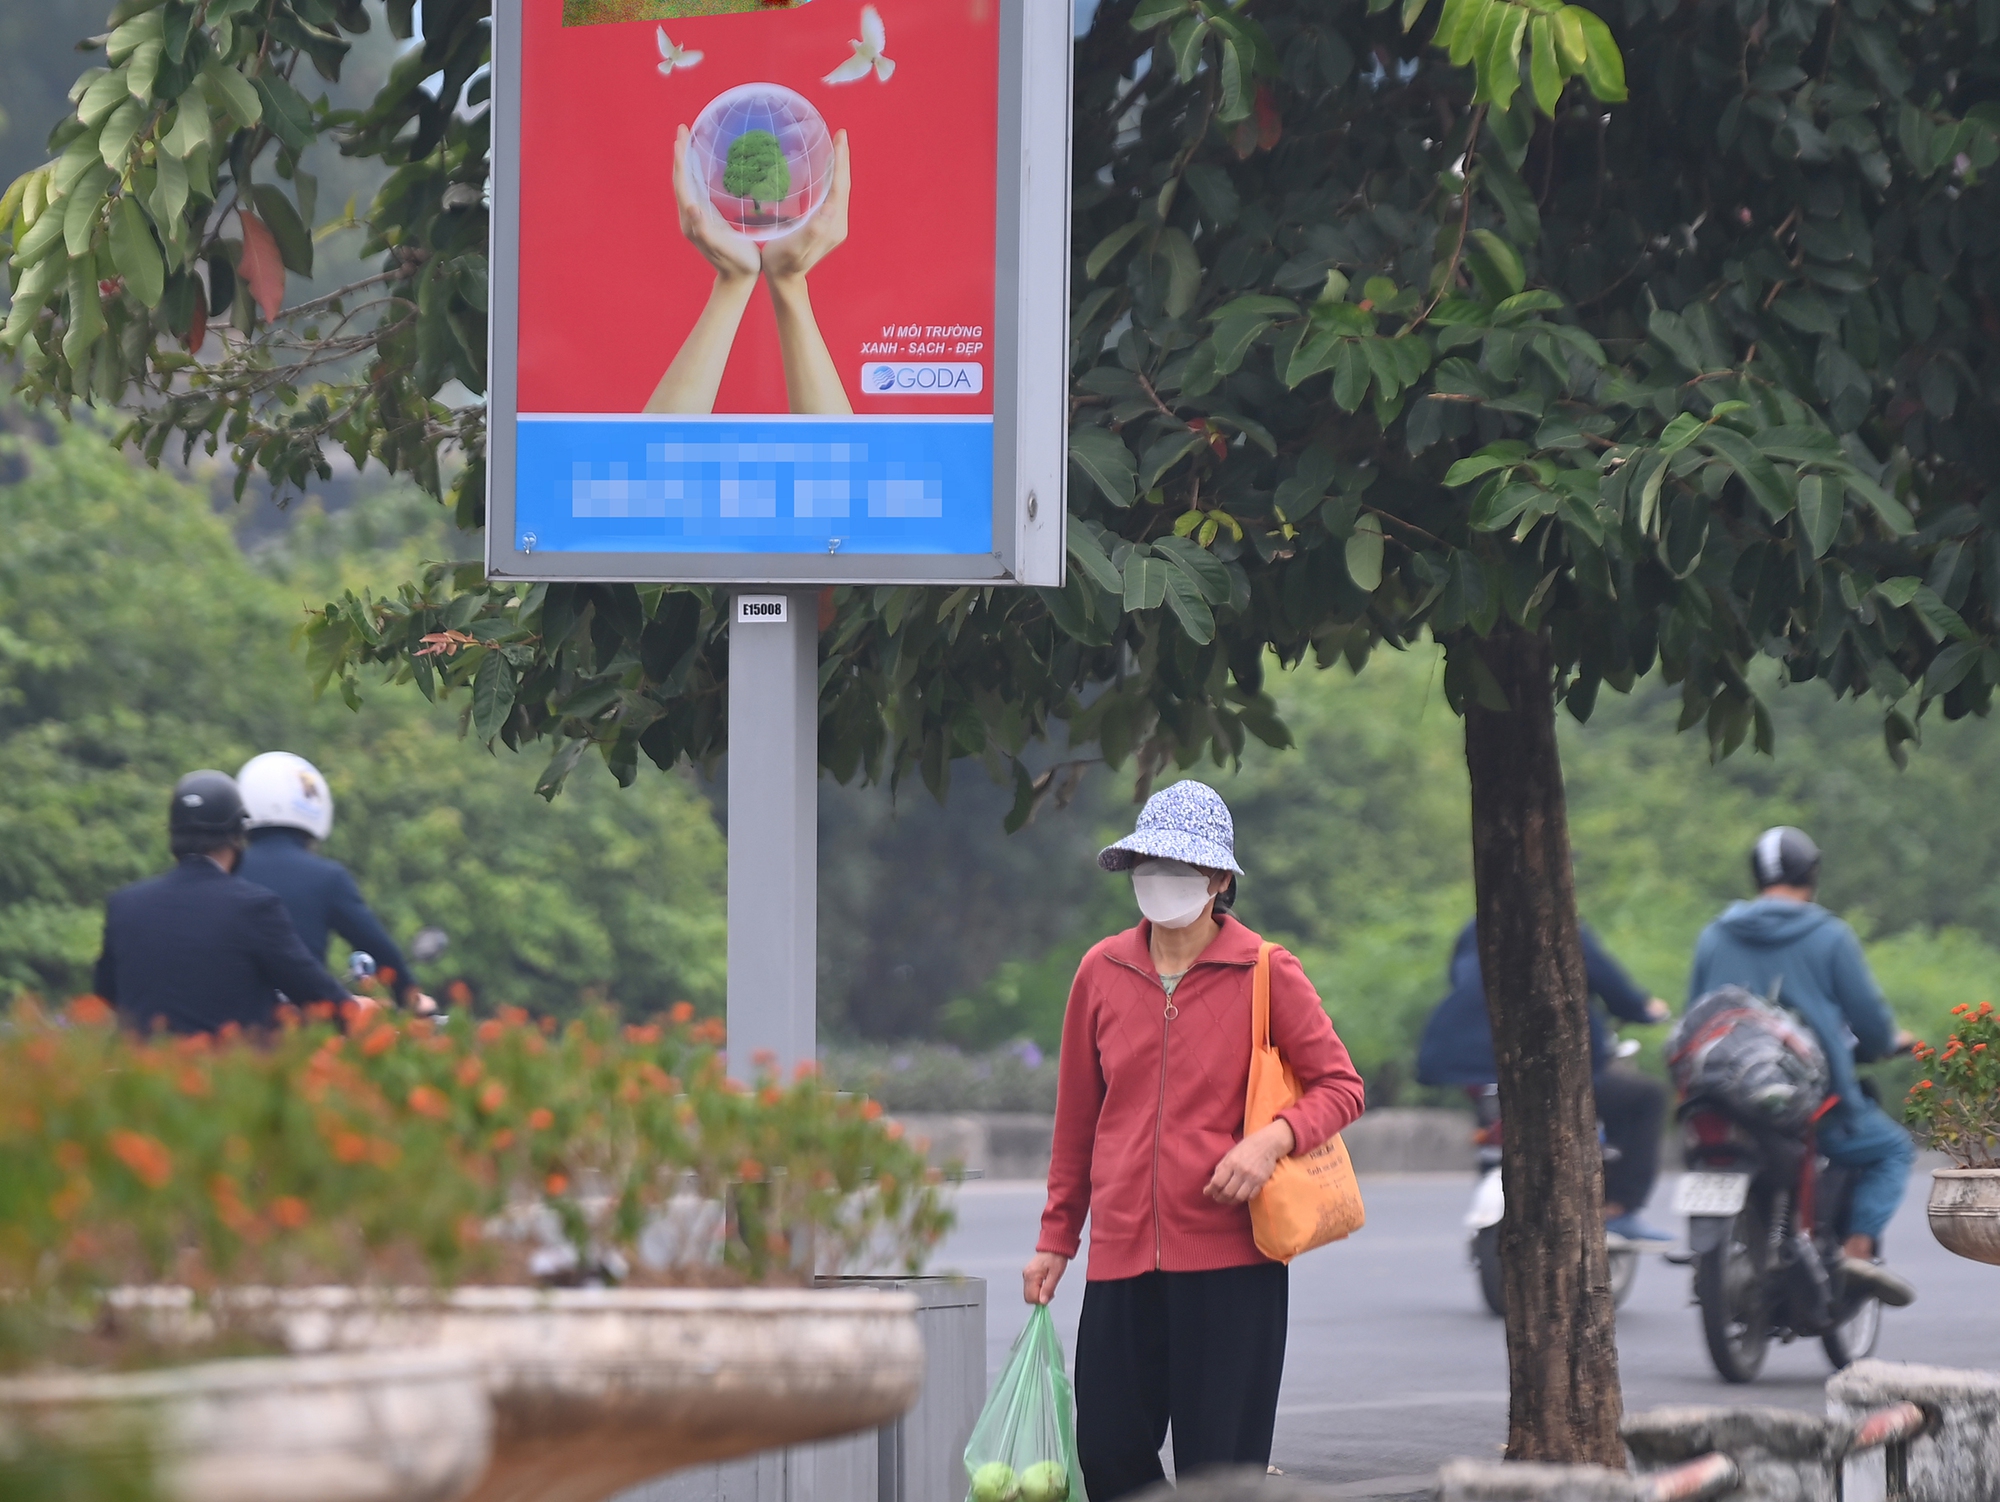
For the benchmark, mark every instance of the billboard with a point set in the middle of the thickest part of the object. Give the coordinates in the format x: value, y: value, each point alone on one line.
x: 779, y: 290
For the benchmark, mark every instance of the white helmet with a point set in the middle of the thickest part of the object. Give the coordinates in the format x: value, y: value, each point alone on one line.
x: 283, y: 791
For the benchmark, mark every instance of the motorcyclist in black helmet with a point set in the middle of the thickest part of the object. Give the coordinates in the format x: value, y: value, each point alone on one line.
x: 198, y: 948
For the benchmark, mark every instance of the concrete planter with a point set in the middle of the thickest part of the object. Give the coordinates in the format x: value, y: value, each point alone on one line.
x: 597, y: 1390
x: 391, y: 1426
x: 1784, y: 1456
x: 1965, y: 1212
x: 1959, y: 1463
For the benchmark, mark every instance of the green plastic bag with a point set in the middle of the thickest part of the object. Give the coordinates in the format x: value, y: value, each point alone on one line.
x: 1023, y: 1449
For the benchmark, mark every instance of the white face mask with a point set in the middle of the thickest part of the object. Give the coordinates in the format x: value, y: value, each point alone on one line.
x: 1171, y: 894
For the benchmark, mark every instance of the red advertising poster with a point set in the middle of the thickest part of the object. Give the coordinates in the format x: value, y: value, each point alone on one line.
x: 834, y: 160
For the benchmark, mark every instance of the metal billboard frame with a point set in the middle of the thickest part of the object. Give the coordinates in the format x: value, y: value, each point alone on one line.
x: 1030, y: 355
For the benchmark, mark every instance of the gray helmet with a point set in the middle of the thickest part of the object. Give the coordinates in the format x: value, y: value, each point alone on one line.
x: 206, y: 803
x: 1784, y: 856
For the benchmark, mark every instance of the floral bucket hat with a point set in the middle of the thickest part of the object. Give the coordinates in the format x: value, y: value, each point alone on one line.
x: 1186, y: 822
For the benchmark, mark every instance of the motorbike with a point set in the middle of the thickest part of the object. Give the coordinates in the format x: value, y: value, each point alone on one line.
x: 1764, y: 1211
x: 1489, y: 1204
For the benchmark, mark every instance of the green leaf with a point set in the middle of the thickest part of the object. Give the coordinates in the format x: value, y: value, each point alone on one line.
x: 1091, y: 558
x: 1819, y: 512
x: 1892, y: 511
x: 1900, y: 590
x: 86, y: 312
x: 1233, y: 338
x: 1950, y: 667
x: 295, y: 246
x: 1150, y: 13
x: 1145, y: 581
x: 1570, y: 45
x: 135, y: 254
x: 1189, y: 608
x: 1364, y: 555
x: 170, y: 188
x: 114, y: 142
x: 105, y: 94
x: 1411, y: 10
x: 1679, y: 433
x: 191, y: 124
x: 81, y: 209
x: 1751, y: 467
x: 1101, y: 253
x: 1183, y: 271
x: 1184, y: 41
x: 1544, y: 72
x: 1162, y: 454
x: 1495, y: 456
x: 1496, y: 264
x: 1271, y: 307
x: 1603, y: 64
x: 285, y: 110
x: 1207, y: 571
x: 1235, y: 86
x: 1103, y: 456
x: 232, y: 93
x: 492, y: 695
x: 1350, y: 375
x: 144, y: 69
x: 1500, y: 74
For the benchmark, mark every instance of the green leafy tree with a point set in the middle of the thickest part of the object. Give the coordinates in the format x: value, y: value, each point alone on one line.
x: 1388, y: 322
x: 757, y: 169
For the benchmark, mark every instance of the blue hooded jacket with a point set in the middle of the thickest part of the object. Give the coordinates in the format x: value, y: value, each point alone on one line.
x: 321, y: 895
x: 1457, y: 1046
x: 1802, y: 957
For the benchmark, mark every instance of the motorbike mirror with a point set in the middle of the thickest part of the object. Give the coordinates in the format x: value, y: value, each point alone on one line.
x: 361, y: 964
x: 429, y: 943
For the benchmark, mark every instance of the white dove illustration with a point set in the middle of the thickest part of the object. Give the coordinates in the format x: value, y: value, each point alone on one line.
x: 867, y: 52
x: 672, y: 57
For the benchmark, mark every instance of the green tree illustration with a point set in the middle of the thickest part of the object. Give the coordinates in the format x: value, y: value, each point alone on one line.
x: 756, y: 169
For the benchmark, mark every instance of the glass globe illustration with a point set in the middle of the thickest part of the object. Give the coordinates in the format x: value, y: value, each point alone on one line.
x: 765, y: 157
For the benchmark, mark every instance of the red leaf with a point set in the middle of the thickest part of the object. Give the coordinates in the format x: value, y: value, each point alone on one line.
x: 262, y: 267
x: 1269, y: 125
x: 197, y: 333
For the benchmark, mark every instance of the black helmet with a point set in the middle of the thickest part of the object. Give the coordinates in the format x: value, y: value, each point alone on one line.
x: 1784, y: 856
x: 206, y: 803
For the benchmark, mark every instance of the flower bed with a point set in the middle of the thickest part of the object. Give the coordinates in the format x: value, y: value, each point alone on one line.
x: 379, y: 1150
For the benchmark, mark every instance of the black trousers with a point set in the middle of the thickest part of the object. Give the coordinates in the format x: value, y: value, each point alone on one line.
x: 1633, y: 1108
x: 1202, y: 1352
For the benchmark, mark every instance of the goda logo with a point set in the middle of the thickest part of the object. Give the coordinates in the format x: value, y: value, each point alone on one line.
x: 923, y: 378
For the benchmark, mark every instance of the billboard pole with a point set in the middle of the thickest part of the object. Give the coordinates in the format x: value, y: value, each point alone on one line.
x: 773, y: 829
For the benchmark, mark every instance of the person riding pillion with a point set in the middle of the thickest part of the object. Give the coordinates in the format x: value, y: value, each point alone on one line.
x: 198, y: 948
x: 290, y: 814
x: 1184, y: 1318
x: 1785, y: 947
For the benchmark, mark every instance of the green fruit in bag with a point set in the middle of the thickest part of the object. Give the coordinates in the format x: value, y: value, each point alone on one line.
x: 994, y: 1482
x: 1045, y: 1481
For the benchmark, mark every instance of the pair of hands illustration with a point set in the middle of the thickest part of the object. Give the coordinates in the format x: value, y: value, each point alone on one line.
x: 734, y: 255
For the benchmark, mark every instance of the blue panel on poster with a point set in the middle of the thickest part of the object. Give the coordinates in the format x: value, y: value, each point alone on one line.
x: 755, y: 485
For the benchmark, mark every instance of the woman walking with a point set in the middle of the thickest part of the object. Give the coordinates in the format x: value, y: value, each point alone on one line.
x: 1183, y: 1317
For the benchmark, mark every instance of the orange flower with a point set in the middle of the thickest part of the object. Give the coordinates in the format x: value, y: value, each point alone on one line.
x: 1924, y: 1085
x: 69, y: 1199
x: 750, y: 1171
x: 643, y: 1036
x: 503, y: 1139
x: 350, y: 1147
x: 709, y: 1030
x: 541, y: 1119
x: 71, y: 1156
x: 289, y: 1211
x: 469, y: 1070
x: 894, y: 1131
x: 681, y: 1013
x: 192, y: 1082
x: 1960, y: 1010
x: 379, y: 1041
x: 493, y: 1097
x: 428, y: 1101
x: 556, y: 1183
x: 763, y: 1058
x: 91, y: 1011
x: 513, y: 1016
x: 490, y: 1031
x: 805, y: 1069
x: 770, y: 1095
x: 458, y: 993
x: 146, y: 1157
x: 870, y: 1109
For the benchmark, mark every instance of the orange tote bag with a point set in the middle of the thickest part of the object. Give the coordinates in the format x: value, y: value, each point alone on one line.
x: 1308, y: 1201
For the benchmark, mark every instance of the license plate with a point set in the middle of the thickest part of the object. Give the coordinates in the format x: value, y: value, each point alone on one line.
x: 1711, y: 1193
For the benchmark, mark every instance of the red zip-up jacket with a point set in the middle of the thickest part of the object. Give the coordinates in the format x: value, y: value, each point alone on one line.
x: 1149, y: 1098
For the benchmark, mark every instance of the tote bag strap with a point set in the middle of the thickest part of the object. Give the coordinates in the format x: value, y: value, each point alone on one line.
x: 1260, y: 998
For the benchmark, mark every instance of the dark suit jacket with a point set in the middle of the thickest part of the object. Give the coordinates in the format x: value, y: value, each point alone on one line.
x: 321, y: 895
x: 196, y: 948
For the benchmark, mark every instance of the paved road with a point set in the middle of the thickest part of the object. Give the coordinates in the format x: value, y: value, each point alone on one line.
x: 1394, y: 1366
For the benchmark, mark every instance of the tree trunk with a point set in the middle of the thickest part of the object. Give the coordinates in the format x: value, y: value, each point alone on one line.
x: 1562, y: 1357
